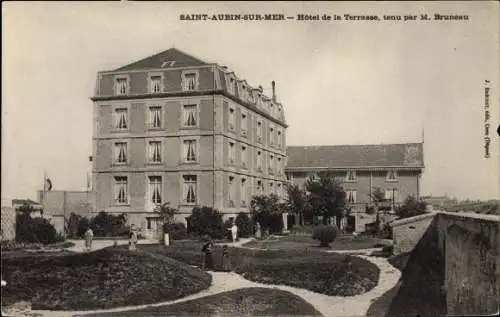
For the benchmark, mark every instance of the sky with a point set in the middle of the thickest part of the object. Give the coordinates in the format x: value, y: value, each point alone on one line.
x: 340, y: 82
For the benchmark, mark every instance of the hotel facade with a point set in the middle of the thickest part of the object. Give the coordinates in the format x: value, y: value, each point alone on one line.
x: 171, y: 128
x: 396, y: 169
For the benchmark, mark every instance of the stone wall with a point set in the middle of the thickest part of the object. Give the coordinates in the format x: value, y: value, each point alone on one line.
x: 407, y: 232
x: 461, y: 250
x: 8, y: 221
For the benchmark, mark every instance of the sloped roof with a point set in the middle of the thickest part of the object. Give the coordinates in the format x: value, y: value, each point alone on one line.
x: 356, y: 156
x: 24, y: 201
x: 180, y: 58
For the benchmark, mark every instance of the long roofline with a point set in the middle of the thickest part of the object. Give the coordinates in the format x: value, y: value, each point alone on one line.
x: 352, y: 145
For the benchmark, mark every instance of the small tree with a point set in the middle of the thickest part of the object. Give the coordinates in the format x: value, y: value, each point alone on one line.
x: 327, y: 198
x: 296, y: 201
x: 206, y: 221
x: 245, y: 225
x: 167, y: 213
x: 411, y: 207
x: 266, y: 210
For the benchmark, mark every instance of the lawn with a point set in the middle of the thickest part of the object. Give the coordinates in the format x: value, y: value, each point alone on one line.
x: 253, y: 301
x: 106, y: 278
x: 300, y: 241
x: 325, y: 273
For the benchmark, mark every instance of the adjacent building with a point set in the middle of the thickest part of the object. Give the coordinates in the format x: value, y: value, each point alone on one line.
x: 394, y: 168
x: 171, y: 128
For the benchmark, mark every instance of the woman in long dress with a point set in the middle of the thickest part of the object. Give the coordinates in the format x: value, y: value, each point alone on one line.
x: 89, y: 235
x: 132, y: 241
x: 208, y: 261
x: 226, y: 261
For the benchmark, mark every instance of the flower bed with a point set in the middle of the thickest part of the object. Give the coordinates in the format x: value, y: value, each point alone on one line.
x: 103, y: 279
x: 326, y: 273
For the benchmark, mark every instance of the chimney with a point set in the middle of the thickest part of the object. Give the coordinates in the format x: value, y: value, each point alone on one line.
x: 273, y: 84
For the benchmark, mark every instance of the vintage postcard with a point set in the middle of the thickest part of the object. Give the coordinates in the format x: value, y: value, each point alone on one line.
x: 216, y: 158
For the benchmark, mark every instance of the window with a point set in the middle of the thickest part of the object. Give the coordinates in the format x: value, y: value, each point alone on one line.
x: 121, y: 192
x: 279, y: 190
x: 155, y: 84
x: 259, y: 130
x: 243, y: 93
x: 392, y: 175
x: 243, y: 124
x: 231, y: 153
x: 278, y: 166
x: 243, y: 156
x: 351, y: 196
x: 121, y: 153
x: 279, y: 139
x: 154, y: 117
x: 230, y: 84
x: 232, y: 191
x: 271, y: 136
x: 121, y: 86
x: 121, y: 118
x: 190, y: 154
x: 243, y: 192
x: 232, y: 117
x: 155, y: 190
x: 259, y: 161
x: 350, y: 176
x: 155, y: 151
x: 271, y: 163
x: 189, y: 81
x: 260, y: 187
x: 190, y: 116
x: 392, y: 195
x: 190, y: 189
x: 271, y: 188
x: 271, y: 109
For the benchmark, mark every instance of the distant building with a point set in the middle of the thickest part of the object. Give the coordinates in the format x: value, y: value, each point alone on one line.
x: 172, y: 128
x: 395, y: 168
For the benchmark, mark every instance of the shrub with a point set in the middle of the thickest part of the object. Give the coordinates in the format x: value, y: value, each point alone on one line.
x: 245, y: 225
x: 176, y: 230
x: 227, y: 232
x: 83, y: 225
x: 34, y: 230
x: 206, y: 221
x: 325, y: 234
x: 43, y: 231
x: 107, y: 225
x: 411, y: 207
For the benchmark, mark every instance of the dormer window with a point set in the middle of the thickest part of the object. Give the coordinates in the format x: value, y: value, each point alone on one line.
x: 121, y: 86
x: 189, y: 81
x: 230, y: 84
x: 155, y: 85
x: 392, y: 175
x: 350, y: 176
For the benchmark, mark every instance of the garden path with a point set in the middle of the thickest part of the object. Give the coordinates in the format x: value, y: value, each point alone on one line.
x: 328, y: 306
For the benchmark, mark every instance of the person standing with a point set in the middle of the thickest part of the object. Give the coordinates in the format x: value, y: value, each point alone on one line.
x: 89, y: 235
x: 133, y: 240
x: 258, y: 232
x: 208, y: 261
x: 226, y: 261
x: 234, y: 232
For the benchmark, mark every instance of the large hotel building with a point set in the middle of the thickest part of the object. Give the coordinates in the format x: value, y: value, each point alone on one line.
x: 172, y: 128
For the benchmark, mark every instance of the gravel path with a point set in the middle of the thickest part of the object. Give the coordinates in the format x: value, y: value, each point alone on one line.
x: 329, y: 306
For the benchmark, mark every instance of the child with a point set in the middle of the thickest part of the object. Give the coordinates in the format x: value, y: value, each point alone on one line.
x: 226, y: 261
